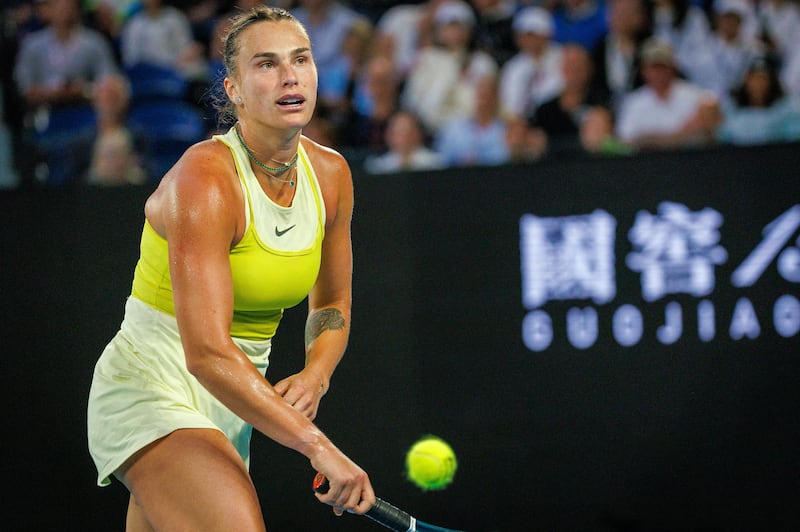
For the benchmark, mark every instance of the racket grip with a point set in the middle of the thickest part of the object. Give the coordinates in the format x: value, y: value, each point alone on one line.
x: 381, y: 512
x: 391, y: 516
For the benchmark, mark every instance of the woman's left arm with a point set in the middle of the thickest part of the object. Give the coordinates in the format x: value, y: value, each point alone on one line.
x: 329, y: 302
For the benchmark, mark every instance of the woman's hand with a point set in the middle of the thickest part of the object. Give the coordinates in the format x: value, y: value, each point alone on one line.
x: 349, y: 488
x: 303, y: 391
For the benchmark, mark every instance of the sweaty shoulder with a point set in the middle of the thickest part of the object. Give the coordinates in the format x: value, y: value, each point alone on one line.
x: 210, y: 159
x: 202, y: 182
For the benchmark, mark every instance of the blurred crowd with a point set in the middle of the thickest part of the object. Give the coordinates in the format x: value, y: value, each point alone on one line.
x: 111, y: 92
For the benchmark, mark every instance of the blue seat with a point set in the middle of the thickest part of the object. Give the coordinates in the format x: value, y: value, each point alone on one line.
x: 149, y: 81
x: 69, y: 119
x: 167, y: 129
x: 63, y: 142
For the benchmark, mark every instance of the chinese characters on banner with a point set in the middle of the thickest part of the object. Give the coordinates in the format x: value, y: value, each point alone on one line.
x: 674, y: 251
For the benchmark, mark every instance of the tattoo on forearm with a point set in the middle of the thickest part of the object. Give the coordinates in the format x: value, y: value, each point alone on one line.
x: 319, y: 322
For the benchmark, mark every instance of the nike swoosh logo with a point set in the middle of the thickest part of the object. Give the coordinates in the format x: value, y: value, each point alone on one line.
x: 281, y: 233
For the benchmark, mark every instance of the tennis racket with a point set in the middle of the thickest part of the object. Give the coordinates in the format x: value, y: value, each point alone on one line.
x: 386, y: 514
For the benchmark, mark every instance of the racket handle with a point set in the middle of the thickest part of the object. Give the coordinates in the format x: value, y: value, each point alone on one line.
x: 381, y: 512
x: 391, y: 517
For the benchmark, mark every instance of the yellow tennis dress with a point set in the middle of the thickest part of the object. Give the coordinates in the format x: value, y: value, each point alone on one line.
x: 141, y: 390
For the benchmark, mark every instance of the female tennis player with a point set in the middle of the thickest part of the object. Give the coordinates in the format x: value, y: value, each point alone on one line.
x: 244, y: 225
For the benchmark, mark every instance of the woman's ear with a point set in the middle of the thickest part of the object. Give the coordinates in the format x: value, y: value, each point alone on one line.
x: 231, y: 91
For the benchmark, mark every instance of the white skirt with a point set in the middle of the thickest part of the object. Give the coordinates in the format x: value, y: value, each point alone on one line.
x: 141, y: 391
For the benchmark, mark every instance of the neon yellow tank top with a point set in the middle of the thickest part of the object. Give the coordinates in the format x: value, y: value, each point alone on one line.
x: 275, y: 264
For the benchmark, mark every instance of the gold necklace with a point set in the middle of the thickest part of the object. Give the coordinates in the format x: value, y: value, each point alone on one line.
x: 290, y: 181
x: 272, y: 172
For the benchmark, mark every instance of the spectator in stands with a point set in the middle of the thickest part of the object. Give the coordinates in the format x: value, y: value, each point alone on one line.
x: 375, y: 100
x: 442, y: 82
x: 55, y: 70
x: 560, y: 118
x: 161, y: 35
x: 616, y: 57
x: 683, y: 25
x: 666, y: 112
x: 751, y: 26
x: 115, y: 159
x: 403, y: 30
x: 328, y: 23
x: 408, y: 151
x: 759, y: 111
x: 524, y: 143
x: 721, y: 62
x: 336, y: 89
x: 780, y: 26
x: 203, y: 15
x: 109, y: 17
x: 57, y: 65
x: 580, y: 21
x: 477, y: 139
x: 597, y: 133
x: 493, y: 32
x: 533, y: 75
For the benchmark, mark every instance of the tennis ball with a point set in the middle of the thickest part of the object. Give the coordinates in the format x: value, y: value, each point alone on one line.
x: 431, y: 463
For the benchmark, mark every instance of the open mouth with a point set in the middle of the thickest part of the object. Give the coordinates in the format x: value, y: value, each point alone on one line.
x: 291, y: 100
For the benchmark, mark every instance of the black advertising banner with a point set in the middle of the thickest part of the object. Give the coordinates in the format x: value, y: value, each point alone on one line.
x: 607, y: 344
x: 626, y: 331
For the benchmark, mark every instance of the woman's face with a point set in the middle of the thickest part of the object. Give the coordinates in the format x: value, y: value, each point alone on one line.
x: 626, y: 16
x: 576, y: 67
x: 403, y: 135
x: 658, y: 76
x: 757, y: 84
x: 276, y: 76
x: 531, y: 42
x: 454, y: 35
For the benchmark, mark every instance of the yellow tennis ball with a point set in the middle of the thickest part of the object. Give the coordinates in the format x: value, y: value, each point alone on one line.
x: 431, y: 463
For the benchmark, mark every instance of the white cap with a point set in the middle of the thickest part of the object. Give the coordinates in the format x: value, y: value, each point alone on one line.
x: 736, y: 7
x: 657, y: 52
x: 533, y: 19
x: 454, y: 11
